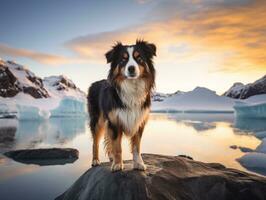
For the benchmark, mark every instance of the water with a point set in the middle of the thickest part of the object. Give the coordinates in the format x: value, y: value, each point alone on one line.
x: 205, y: 137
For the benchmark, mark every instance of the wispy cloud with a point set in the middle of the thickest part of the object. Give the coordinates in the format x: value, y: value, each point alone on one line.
x: 43, y: 58
x: 231, y: 33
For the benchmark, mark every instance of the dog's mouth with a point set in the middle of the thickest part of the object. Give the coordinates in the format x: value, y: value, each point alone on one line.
x: 132, y: 76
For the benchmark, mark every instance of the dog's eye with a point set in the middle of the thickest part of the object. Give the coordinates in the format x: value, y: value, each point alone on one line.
x: 139, y: 59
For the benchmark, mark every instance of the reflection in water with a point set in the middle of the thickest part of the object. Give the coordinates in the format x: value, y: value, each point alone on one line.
x: 31, y: 134
x: 8, y: 129
x: 252, y: 125
x: 202, y: 122
x: 254, y: 161
x: 204, y: 137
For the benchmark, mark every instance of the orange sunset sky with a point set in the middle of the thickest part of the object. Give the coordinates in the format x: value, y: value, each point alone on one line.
x: 210, y: 43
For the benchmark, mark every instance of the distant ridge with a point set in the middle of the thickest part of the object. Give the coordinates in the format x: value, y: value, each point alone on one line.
x: 241, y: 91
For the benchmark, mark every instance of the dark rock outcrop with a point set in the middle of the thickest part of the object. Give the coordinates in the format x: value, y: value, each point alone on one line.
x: 8, y: 82
x: 53, y: 156
x: 15, y: 78
x: 167, y: 177
x: 241, y: 91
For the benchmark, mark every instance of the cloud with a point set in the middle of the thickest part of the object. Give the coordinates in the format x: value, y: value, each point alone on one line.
x: 231, y: 32
x: 43, y: 58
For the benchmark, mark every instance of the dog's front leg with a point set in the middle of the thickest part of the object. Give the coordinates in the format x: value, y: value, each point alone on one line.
x: 135, y: 148
x: 116, y: 138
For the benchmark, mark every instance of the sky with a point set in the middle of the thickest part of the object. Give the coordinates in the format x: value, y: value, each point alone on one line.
x: 207, y: 43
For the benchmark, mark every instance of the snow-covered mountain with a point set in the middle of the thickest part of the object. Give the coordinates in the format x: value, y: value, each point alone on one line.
x: 27, y: 96
x: 198, y: 100
x: 241, y: 91
x: 15, y: 78
x: 158, y: 96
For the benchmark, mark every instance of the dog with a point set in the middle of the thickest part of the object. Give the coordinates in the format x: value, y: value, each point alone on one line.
x: 120, y: 104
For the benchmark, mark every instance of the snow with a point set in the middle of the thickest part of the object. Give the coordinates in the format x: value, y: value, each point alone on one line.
x: 199, y: 100
x: 203, y: 100
x: 241, y: 91
x: 235, y: 90
x: 53, y: 85
x: 257, y: 99
x: 21, y: 73
x: 64, y: 99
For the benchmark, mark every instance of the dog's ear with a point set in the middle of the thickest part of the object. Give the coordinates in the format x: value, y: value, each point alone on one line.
x: 113, y: 53
x: 149, y: 48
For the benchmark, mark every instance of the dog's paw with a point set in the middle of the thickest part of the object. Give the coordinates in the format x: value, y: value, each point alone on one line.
x: 139, y: 166
x: 95, y: 162
x: 110, y: 156
x: 117, y: 167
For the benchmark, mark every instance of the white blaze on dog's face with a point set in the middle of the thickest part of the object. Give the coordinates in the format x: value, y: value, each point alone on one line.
x: 131, y: 62
x: 132, y: 70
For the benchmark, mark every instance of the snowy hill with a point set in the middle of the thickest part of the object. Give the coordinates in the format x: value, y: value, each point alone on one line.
x: 15, y: 78
x: 241, y: 91
x: 26, y: 96
x: 198, y: 100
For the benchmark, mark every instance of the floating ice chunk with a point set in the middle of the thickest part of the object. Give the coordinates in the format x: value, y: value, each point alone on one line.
x: 247, y: 110
x: 254, y: 161
x: 70, y: 107
x: 262, y: 147
x: 260, y: 134
x: 32, y: 113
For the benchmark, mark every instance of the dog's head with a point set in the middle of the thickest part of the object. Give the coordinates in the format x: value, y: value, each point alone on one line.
x: 131, y: 61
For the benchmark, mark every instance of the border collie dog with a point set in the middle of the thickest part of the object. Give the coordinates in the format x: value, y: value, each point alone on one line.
x: 120, y: 105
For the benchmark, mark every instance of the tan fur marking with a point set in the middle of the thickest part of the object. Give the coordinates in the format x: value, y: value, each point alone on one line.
x: 141, y: 70
x: 136, y: 54
x: 116, y: 71
x: 125, y: 55
x: 96, y: 139
x: 116, y: 151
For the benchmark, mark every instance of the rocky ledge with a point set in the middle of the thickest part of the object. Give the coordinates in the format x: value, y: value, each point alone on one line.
x: 53, y: 156
x: 167, y: 177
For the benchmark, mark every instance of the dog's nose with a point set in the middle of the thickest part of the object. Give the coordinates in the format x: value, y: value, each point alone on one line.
x: 131, y: 69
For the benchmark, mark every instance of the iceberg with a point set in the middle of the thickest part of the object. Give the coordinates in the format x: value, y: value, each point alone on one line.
x: 70, y: 107
x: 24, y: 107
x: 254, y: 161
x: 249, y: 110
x: 31, y: 113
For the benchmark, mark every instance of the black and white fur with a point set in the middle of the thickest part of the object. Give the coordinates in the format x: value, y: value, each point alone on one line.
x: 120, y: 105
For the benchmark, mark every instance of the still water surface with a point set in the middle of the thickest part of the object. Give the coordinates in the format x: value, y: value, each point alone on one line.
x: 205, y: 137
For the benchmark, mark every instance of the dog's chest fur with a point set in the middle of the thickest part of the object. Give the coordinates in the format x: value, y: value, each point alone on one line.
x: 133, y: 94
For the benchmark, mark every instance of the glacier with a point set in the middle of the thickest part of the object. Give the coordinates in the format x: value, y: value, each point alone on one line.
x: 66, y: 107
x: 70, y: 107
x: 25, y: 107
x: 199, y: 100
x: 253, y: 107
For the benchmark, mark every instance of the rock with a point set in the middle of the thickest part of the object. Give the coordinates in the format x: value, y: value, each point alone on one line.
x: 167, y: 177
x: 54, y: 156
x: 15, y: 78
x: 243, y: 149
x: 241, y: 91
x: 8, y: 82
